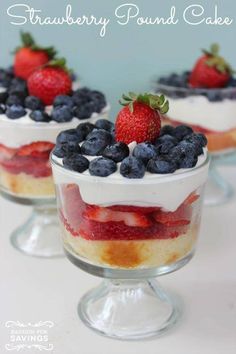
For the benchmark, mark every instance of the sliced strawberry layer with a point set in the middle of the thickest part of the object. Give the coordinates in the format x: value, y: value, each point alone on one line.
x: 182, y: 216
x: 135, y: 209
x: 193, y: 197
x: 36, y: 149
x: 104, y: 215
x: 27, y: 164
x: 92, y: 230
x: 6, y: 152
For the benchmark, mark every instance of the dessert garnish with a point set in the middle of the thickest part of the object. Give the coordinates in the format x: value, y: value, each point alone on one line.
x: 135, y: 145
x: 211, y: 70
x: 30, y: 56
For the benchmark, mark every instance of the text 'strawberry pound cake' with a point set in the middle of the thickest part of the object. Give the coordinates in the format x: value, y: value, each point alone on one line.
x: 129, y: 193
x: 38, y: 100
x: 205, y: 99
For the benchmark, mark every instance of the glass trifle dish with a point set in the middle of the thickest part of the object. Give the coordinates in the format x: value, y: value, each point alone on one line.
x: 205, y: 99
x: 37, y: 101
x: 129, y: 202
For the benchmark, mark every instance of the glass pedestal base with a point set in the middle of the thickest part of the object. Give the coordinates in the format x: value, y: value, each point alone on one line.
x: 39, y: 236
x: 129, y: 309
x: 218, y: 190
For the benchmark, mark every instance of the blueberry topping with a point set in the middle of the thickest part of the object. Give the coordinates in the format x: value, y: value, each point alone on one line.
x: 165, y: 143
x: 34, y: 103
x: 182, y: 151
x: 62, y: 114
x: 167, y: 129
x: 188, y: 162
x: 59, y: 151
x: 232, y: 82
x: 181, y: 131
x: 145, y: 152
x: 76, y: 162
x: 214, y: 95
x: 102, y: 167
x: 3, y: 97
x: 39, y: 116
x: 161, y: 166
x: 2, y: 109
x: 104, y: 124
x: 84, y: 111
x: 116, y: 152
x: 15, y: 111
x: 96, y: 142
x: 84, y: 129
x: 198, y: 140
x: 5, y: 78
x: 68, y: 135
x: 18, y: 86
x: 15, y: 99
x: 87, y: 102
x: 131, y: 167
x: 63, y: 100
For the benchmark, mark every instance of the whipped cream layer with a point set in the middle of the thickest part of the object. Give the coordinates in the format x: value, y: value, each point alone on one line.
x: 198, y: 110
x: 22, y: 131
x: 167, y: 191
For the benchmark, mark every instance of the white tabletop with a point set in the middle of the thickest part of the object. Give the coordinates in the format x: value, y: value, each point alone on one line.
x: 34, y: 290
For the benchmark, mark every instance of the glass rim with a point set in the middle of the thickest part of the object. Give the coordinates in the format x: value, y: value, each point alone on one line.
x: 133, y: 181
x: 193, y: 90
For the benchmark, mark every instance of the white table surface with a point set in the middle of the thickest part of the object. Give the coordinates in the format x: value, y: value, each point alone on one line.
x: 35, y: 289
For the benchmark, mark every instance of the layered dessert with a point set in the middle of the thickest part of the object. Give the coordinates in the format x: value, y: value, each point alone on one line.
x: 129, y: 193
x: 205, y: 99
x: 38, y: 99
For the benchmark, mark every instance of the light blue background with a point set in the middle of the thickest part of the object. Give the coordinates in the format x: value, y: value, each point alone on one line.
x: 129, y: 57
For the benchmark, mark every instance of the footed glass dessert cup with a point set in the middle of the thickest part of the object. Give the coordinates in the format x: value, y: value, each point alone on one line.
x: 129, y: 231
x: 211, y: 112
x: 26, y: 179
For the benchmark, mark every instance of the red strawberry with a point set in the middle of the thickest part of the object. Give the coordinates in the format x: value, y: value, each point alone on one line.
x: 50, y: 81
x: 140, y: 119
x: 92, y: 230
x: 104, y: 215
x: 135, y: 209
x: 6, y: 152
x: 40, y: 149
x: 211, y: 70
x: 28, y: 165
x: 193, y: 197
x: 182, y: 216
x: 30, y: 57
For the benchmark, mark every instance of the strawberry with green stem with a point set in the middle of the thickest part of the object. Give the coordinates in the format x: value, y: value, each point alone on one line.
x: 30, y: 56
x: 140, y: 119
x: 211, y: 70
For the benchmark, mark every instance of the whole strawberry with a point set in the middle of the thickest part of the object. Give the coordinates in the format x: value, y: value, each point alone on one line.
x: 50, y: 81
x: 140, y: 119
x: 211, y: 70
x: 30, y: 56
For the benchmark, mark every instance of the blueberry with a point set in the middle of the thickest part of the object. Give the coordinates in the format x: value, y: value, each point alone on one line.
x: 15, y: 111
x: 116, y: 152
x: 15, y: 99
x: 182, y: 151
x: 3, y: 97
x: 167, y: 129
x: 34, y: 103
x: 68, y: 135
x: 165, y: 143
x: 104, y: 124
x: 84, y: 111
x: 145, y: 152
x: 199, y: 140
x: 40, y: 116
x: 59, y: 151
x: 18, y: 86
x: 70, y: 147
x: 161, y: 166
x: 96, y: 142
x: 5, y: 78
x: 84, y: 129
x: 181, y: 131
x: 2, y: 109
x: 100, y: 100
x: 63, y: 100
x: 131, y: 167
x: 102, y: 167
x: 214, y: 95
x: 76, y: 162
x: 188, y: 162
x: 232, y: 82
x: 62, y: 114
